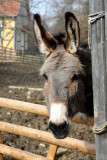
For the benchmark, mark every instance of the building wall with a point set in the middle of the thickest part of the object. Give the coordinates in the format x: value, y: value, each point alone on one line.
x: 1, y: 31
x: 15, y: 34
x: 8, y: 32
x: 21, y: 28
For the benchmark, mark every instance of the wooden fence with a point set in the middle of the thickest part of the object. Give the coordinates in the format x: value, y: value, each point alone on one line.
x: 71, y: 143
x: 23, y: 56
x: 98, y: 25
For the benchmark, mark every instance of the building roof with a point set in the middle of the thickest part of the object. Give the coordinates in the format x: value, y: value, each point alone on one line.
x: 9, y: 8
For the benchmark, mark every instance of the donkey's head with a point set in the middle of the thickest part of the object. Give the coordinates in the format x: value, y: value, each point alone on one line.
x: 63, y: 73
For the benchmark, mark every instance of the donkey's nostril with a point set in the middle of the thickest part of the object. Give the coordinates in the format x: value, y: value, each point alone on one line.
x: 52, y: 126
x: 64, y: 125
x: 60, y: 130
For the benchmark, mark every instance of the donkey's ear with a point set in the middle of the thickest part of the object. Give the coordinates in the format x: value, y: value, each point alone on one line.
x: 44, y: 40
x: 73, y: 32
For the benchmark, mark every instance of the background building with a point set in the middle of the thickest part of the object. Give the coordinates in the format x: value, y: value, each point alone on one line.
x: 14, y: 22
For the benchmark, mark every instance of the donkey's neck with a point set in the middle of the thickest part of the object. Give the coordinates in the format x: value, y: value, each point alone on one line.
x: 85, y: 58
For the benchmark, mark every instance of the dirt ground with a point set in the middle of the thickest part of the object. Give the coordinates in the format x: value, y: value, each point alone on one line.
x: 27, y: 75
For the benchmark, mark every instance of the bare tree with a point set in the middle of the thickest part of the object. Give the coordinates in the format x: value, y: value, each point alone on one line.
x: 53, y: 14
x: 58, y: 9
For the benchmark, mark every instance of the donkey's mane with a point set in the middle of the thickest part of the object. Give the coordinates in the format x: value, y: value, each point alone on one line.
x: 60, y: 37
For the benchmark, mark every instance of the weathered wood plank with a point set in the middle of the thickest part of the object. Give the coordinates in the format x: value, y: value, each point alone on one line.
x: 1, y: 156
x: 106, y: 33
x: 99, y: 67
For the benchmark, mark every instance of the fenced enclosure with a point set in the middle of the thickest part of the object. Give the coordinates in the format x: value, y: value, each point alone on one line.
x: 98, y: 23
x: 22, y: 56
x: 72, y: 143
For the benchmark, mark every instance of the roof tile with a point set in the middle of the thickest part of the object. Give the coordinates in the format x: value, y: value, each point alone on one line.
x: 10, y: 8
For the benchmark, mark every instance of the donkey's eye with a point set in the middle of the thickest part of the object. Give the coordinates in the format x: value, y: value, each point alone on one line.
x: 45, y: 77
x: 75, y: 77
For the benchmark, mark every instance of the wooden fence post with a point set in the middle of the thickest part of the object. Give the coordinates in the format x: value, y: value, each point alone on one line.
x: 11, y: 55
x: 1, y: 156
x: 98, y: 14
x: 52, y: 151
x: 23, y: 56
x: 2, y: 54
x: 5, y: 55
x: 1, y: 51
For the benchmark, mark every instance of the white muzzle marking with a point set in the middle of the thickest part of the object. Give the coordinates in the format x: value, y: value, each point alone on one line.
x: 58, y: 113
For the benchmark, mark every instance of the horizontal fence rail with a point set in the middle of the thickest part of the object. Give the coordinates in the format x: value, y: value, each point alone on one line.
x: 71, y: 143
x: 19, y: 154
x: 23, y: 56
x: 40, y: 110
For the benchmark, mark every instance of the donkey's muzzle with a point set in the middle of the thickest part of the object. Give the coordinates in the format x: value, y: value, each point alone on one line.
x: 59, y: 131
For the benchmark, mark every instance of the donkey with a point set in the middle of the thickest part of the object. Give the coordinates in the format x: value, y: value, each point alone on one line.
x: 67, y: 74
